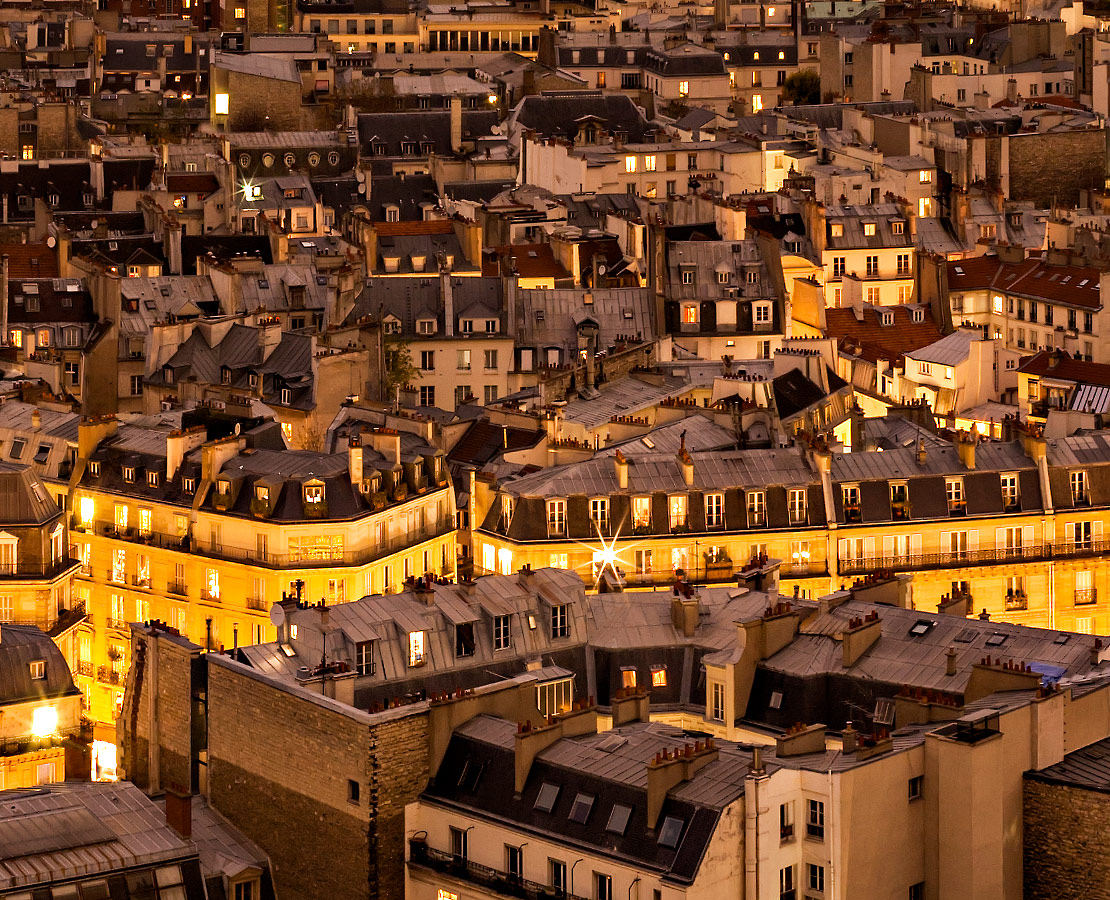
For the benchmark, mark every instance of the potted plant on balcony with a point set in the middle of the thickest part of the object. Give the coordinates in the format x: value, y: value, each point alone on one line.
x: 717, y: 564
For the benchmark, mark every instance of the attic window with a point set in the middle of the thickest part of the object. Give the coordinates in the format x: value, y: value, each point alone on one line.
x: 545, y: 800
x: 471, y: 775
x: 618, y: 819
x: 996, y: 640
x: 869, y: 229
x: 897, y: 227
x: 129, y: 474
x: 262, y: 493
x: 263, y: 283
x: 152, y: 479
x: 313, y: 493
x: 286, y: 394
x: 918, y: 316
x: 888, y: 317
x: 1061, y: 638
x: 922, y: 626
x: 94, y: 469
x: 958, y: 270
x: 42, y: 453
x: 190, y: 485
x: 671, y: 831
x: 17, y: 448
x: 580, y: 810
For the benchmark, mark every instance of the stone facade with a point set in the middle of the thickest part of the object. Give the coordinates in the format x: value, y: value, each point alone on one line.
x: 1034, y: 177
x: 1064, y: 849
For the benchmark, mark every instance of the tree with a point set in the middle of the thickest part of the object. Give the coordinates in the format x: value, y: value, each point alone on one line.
x: 399, y: 370
x: 802, y: 88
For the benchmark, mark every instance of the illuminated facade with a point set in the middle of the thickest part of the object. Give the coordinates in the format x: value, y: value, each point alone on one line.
x: 206, y: 535
x: 1015, y: 529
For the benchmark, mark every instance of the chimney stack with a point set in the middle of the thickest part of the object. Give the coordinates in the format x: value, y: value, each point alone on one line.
x: 687, y: 466
x: 456, y: 124
x: 965, y: 447
x: 354, y: 460
x: 179, y: 813
x: 4, y: 293
x: 950, y: 661
x: 921, y: 456
x: 620, y: 463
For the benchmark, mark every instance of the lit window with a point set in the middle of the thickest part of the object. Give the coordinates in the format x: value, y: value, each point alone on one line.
x: 223, y: 104
x: 88, y: 510
x: 44, y: 721
x: 925, y: 176
x: 757, y: 103
x: 416, y: 648
x: 649, y: 163
x: 684, y: 88
x: 240, y: 12
x: 630, y: 164
x: 658, y: 676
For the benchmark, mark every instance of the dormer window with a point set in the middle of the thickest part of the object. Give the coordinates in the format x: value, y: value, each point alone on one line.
x: 152, y: 479
x: 286, y: 396
x: 190, y: 485
x: 167, y: 374
x: 897, y: 227
x: 225, y: 375
x: 253, y: 379
x: 869, y: 229
x: 129, y: 474
x: 314, y: 493
x: 837, y: 229
x: 1079, y: 489
x: 262, y: 493
x: 416, y: 649
x: 94, y: 469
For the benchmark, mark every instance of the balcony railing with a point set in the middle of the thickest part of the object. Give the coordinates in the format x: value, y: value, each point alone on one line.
x: 261, y: 556
x: 1016, y: 600
x: 115, y: 623
x: 496, y: 880
x: 983, y: 556
x: 36, y: 569
x: 257, y: 603
x: 84, y: 667
x: 1085, y: 596
x: 108, y: 675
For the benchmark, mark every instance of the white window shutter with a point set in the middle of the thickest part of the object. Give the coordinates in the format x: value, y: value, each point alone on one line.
x: 1096, y: 530
x: 842, y: 549
x: 1026, y: 536
x: 869, y: 548
x: 946, y: 542
x: 1000, y: 538
x: 973, y: 539
x: 888, y: 546
x: 1069, y: 532
x: 915, y: 545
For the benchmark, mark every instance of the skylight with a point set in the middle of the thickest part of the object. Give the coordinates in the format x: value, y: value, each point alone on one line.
x: 549, y: 793
x: 618, y: 819
x: 996, y: 640
x: 671, y: 831
x: 922, y: 626
x: 580, y: 810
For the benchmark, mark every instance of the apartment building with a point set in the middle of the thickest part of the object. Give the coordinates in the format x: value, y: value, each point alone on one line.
x: 43, y: 734
x: 1040, y: 303
x: 207, y: 534
x: 1011, y: 528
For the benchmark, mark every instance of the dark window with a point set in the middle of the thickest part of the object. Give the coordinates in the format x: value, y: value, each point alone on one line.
x: 471, y: 775
x: 549, y: 793
x: 580, y: 810
x: 353, y: 790
x: 916, y: 785
x: 618, y: 819
x: 464, y: 640
x: 670, y: 832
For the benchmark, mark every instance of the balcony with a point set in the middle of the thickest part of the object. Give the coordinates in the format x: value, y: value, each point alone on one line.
x: 108, y: 675
x: 36, y: 569
x: 120, y: 624
x: 1086, y: 596
x: 1016, y: 600
x: 798, y: 517
x: 981, y: 557
x: 852, y: 513
x: 84, y: 667
x: 900, y: 510
x: 257, y: 603
x: 177, y: 588
x: 489, y: 879
x: 957, y: 508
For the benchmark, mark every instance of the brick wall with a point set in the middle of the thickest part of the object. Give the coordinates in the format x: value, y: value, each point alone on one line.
x: 279, y: 765
x: 1036, y: 172
x: 1065, y: 854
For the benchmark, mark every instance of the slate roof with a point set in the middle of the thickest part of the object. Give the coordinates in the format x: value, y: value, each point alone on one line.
x: 60, y: 300
x: 950, y: 350
x: 424, y: 126
x: 1087, y: 768
x: 20, y: 645
x: 24, y: 499
x: 1066, y: 368
x: 484, y: 441
x: 527, y: 260
x: 558, y: 114
x: 406, y: 193
x: 685, y: 59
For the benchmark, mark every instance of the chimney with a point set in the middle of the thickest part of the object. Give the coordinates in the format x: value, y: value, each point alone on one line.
x: 448, y: 302
x: 531, y: 742
x: 687, y: 466
x: 965, y: 447
x: 672, y: 767
x: 685, y: 613
x: 179, y: 443
x: 388, y: 443
x: 620, y: 464
x: 354, y: 460
x: 179, y: 813
x: 529, y: 86
x: 984, y: 616
x: 36, y: 419
x: 456, y: 124
x: 630, y: 706
x: 800, y: 740
x: 921, y: 456
x: 849, y: 739
x: 527, y: 578
x: 214, y: 454
x: 950, y: 662
x: 859, y: 637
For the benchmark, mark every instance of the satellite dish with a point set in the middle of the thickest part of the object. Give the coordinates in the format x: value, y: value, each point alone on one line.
x: 277, y: 615
x: 51, y: 241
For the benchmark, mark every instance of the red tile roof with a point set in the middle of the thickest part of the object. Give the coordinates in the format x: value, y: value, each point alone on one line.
x: 877, y: 341
x: 529, y: 260
x: 30, y: 260
x: 430, y: 226
x: 1066, y: 368
x: 1033, y: 278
